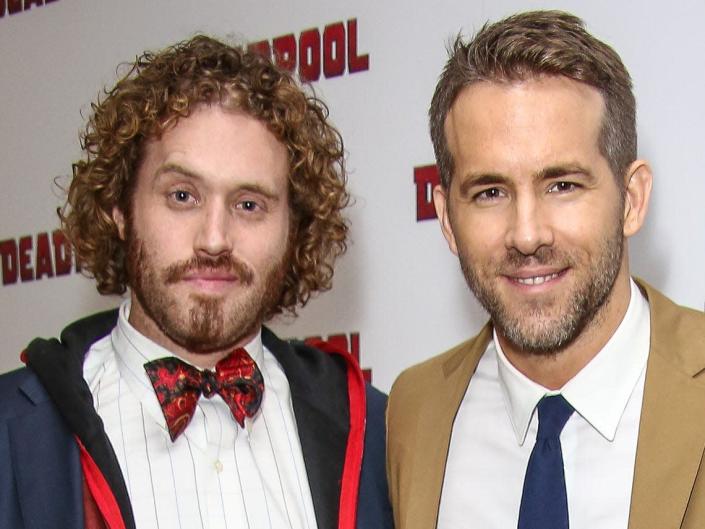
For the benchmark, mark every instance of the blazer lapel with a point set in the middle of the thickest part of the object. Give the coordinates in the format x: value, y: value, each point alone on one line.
x: 672, y: 429
x: 320, y: 401
x: 59, y: 368
x: 433, y: 433
x: 45, y: 464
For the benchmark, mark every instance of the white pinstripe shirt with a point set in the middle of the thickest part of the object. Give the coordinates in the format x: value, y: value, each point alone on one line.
x: 216, y: 474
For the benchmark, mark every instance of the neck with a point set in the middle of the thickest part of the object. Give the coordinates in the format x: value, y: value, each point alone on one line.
x: 554, y: 370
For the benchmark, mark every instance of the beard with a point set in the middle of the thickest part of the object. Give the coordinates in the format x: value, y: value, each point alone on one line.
x: 200, y: 323
x: 532, y: 327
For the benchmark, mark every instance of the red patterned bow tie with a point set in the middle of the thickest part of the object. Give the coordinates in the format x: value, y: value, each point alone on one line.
x: 178, y: 385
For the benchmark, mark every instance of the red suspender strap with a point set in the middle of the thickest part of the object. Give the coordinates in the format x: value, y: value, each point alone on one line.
x: 350, y: 484
x: 100, y: 491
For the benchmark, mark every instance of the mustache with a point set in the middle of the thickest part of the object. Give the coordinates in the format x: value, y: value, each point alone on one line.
x: 201, y: 263
x: 543, y: 255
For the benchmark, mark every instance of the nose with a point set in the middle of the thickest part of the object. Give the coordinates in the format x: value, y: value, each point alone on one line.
x: 529, y: 226
x: 214, y: 235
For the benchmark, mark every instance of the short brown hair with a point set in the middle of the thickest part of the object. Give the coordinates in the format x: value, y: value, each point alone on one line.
x: 161, y: 88
x: 537, y: 43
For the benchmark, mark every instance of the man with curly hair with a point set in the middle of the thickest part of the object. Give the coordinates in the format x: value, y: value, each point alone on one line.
x: 212, y: 186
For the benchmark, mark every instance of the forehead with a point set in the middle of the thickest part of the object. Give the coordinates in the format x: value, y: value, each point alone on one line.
x: 220, y: 146
x: 532, y: 121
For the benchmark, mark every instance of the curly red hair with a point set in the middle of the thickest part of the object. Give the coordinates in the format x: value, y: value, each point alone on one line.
x: 161, y: 88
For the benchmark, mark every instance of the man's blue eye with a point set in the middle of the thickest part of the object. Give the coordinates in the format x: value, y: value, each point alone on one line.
x: 563, y: 186
x: 489, y: 194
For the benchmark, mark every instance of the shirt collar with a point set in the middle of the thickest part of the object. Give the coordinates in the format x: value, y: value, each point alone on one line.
x: 134, y: 349
x: 601, y: 390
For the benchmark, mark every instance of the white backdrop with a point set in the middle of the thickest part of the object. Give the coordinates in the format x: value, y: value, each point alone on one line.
x: 398, y: 287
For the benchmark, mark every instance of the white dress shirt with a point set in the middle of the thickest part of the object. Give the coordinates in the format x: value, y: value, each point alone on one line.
x: 495, y: 431
x: 216, y: 474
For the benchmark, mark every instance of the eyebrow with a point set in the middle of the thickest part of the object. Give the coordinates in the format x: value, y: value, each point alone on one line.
x: 171, y: 167
x: 481, y: 179
x: 558, y: 171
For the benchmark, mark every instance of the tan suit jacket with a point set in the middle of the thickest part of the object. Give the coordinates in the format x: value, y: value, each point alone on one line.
x: 669, y: 474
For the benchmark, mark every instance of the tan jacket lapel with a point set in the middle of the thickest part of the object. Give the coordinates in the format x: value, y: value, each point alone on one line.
x: 417, y: 494
x: 672, y: 428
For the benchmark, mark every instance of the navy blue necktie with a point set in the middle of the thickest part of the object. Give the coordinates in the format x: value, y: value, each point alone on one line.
x: 544, y: 504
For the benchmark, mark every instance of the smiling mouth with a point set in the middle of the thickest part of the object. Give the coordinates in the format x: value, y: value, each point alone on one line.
x: 536, y: 280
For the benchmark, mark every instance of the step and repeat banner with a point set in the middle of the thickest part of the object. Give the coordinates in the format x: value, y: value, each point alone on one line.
x: 398, y: 295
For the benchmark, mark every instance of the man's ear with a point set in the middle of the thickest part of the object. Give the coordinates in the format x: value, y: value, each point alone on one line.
x: 638, y: 183
x: 440, y: 202
x: 119, y: 219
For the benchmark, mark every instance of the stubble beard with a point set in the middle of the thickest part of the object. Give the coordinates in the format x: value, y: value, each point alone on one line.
x: 205, y: 326
x: 535, y: 331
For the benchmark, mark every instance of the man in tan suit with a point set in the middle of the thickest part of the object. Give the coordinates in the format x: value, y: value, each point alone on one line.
x: 533, y: 125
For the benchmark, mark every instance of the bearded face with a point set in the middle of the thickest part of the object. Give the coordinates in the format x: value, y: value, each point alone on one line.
x: 208, y: 231
x: 203, y: 322
x: 533, y: 210
x: 546, y: 324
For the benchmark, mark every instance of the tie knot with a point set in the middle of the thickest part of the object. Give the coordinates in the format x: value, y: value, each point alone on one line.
x: 554, y: 412
x: 209, y: 383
